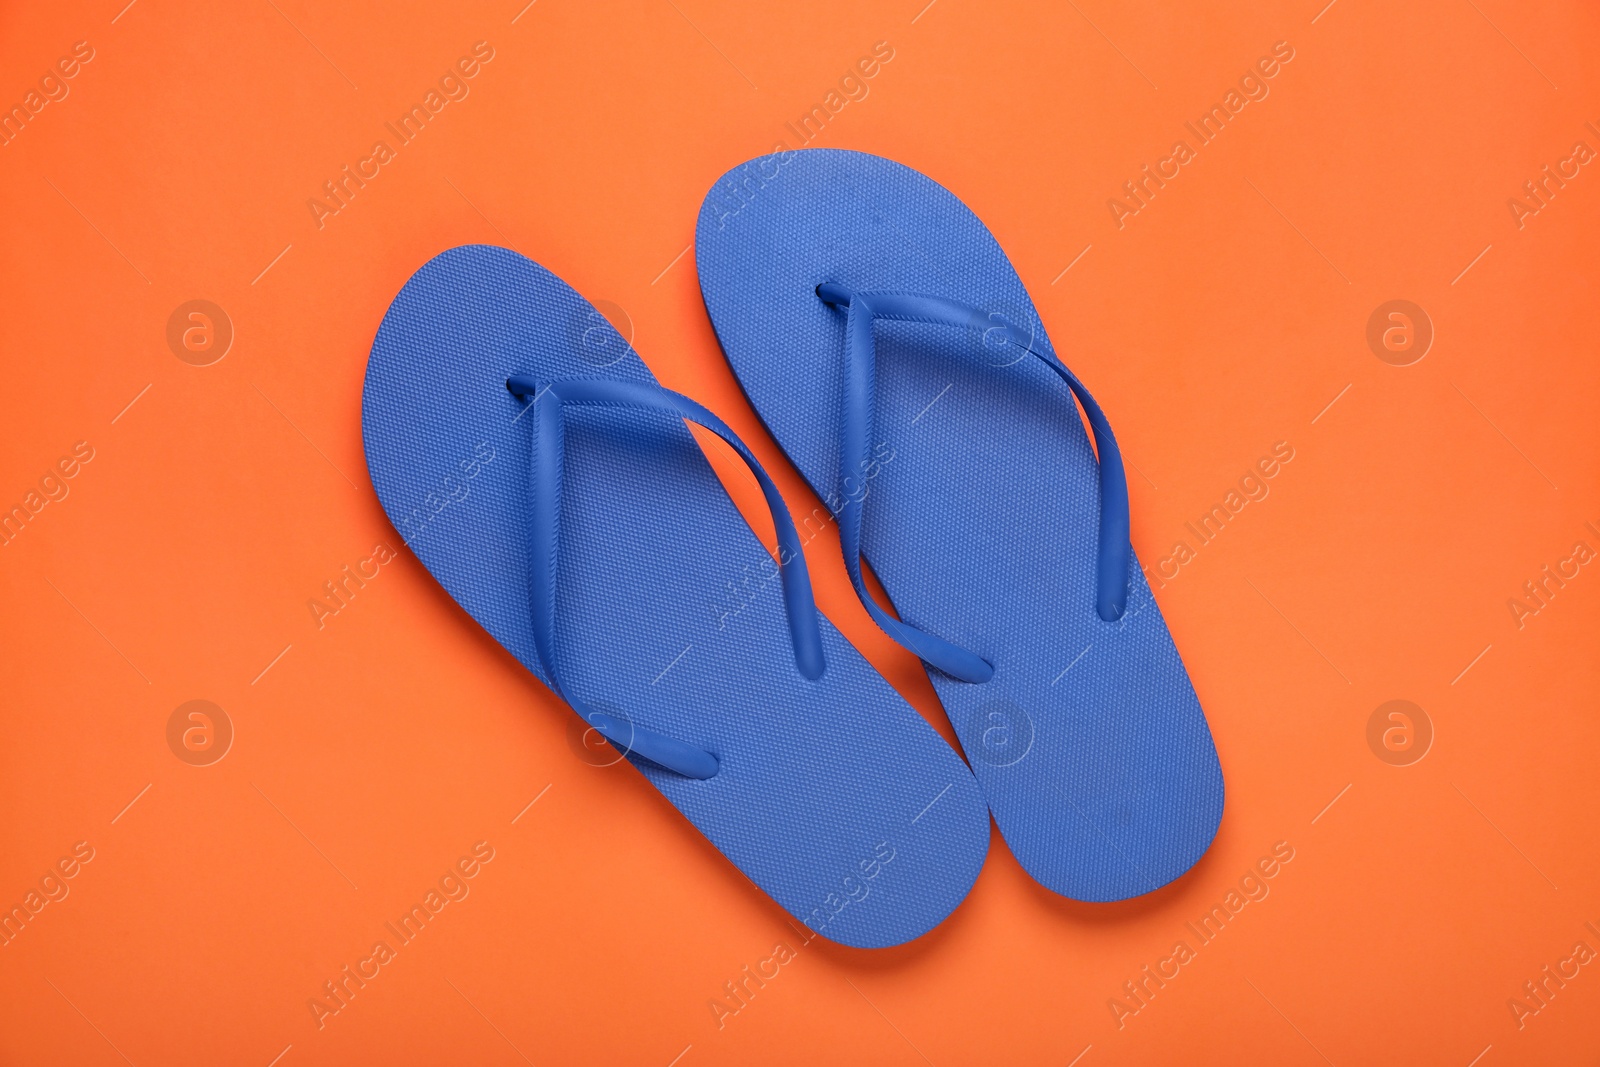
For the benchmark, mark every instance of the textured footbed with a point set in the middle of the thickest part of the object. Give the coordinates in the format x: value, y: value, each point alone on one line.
x: 834, y: 796
x: 981, y: 510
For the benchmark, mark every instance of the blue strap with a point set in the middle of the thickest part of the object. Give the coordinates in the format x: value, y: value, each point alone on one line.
x: 1115, y: 551
x: 546, y: 472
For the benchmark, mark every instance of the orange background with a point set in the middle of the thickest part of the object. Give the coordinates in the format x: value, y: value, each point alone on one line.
x: 1222, y: 318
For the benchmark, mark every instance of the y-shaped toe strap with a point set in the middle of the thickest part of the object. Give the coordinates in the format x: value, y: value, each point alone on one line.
x: 546, y: 470
x: 864, y: 308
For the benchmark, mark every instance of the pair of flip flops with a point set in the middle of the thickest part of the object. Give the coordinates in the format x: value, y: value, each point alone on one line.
x: 531, y: 461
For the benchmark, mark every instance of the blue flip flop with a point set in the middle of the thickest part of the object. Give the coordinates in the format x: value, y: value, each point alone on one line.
x: 534, y: 466
x: 889, y: 346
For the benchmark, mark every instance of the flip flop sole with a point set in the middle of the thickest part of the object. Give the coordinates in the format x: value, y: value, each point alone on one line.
x: 981, y: 512
x: 834, y: 796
